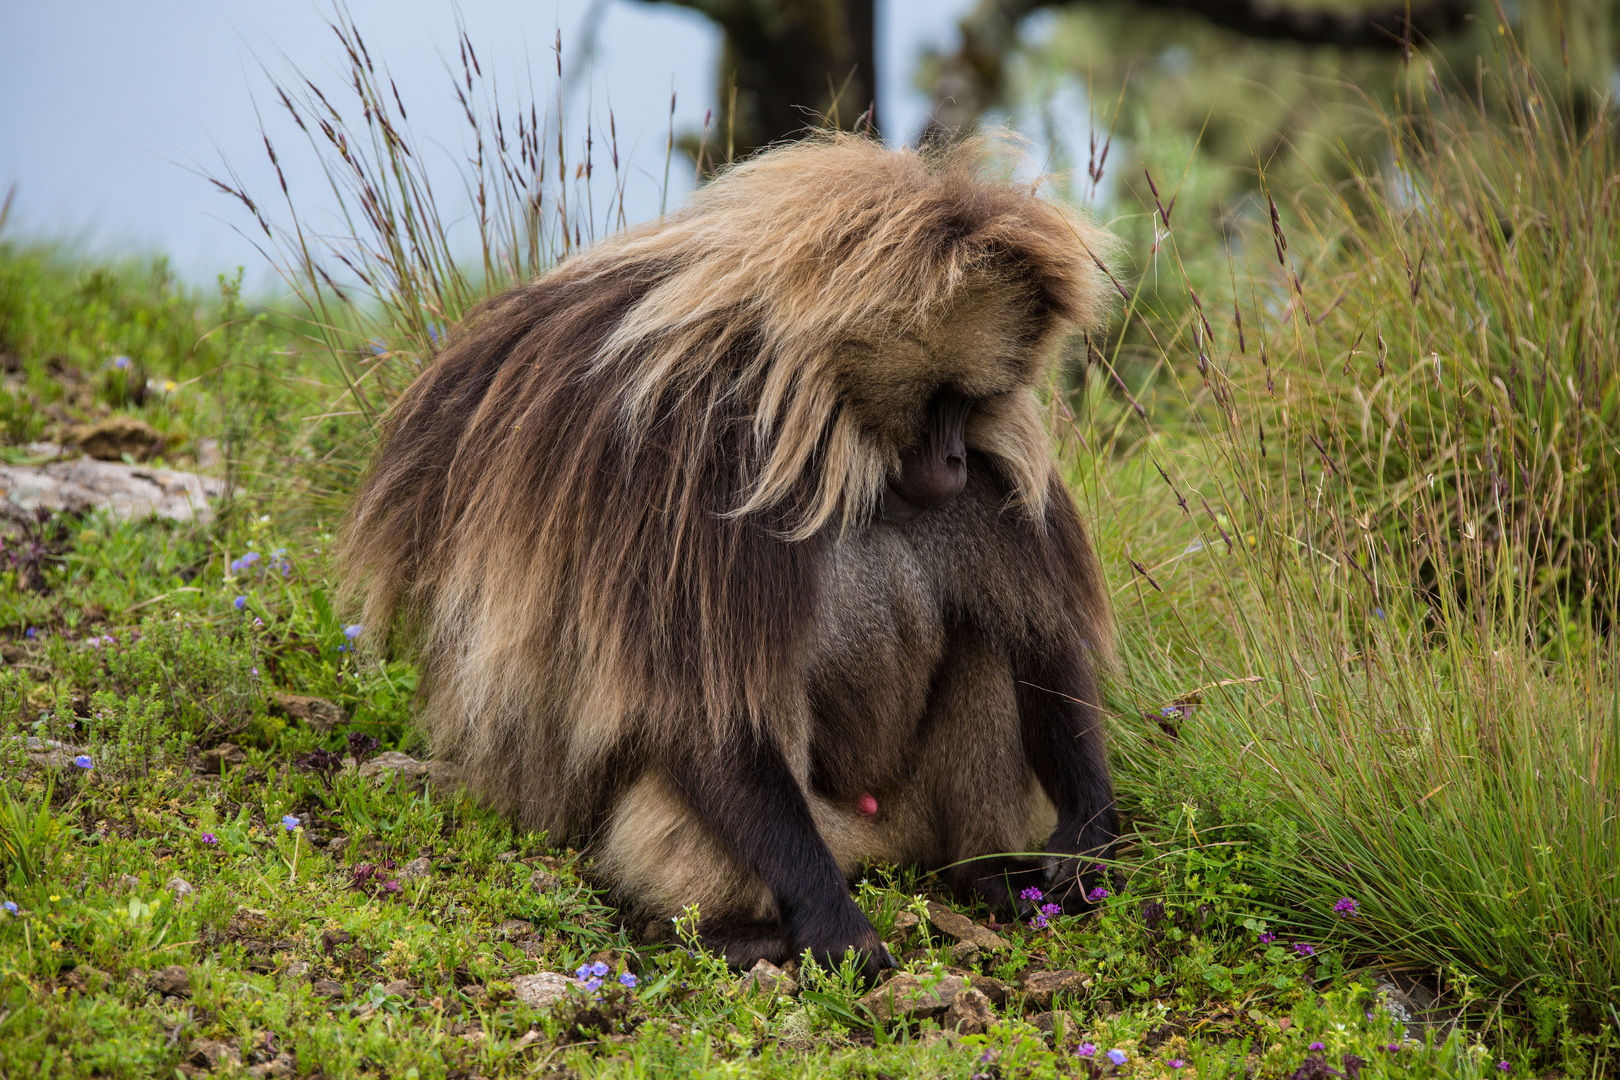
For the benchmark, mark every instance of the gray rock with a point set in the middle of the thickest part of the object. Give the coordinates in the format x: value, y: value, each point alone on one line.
x: 768, y: 977
x: 963, y: 928
x: 278, y: 1067
x: 417, y: 869
x: 541, y: 991
x: 543, y: 881
x: 128, y: 491
x: 181, y: 889
x: 318, y: 713
x: 211, y: 1054
x: 908, y: 996
x: 171, y: 980
x: 1041, y: 987
x: 393, y: 763
x: 326, y: 988
x: 969, y: 1013
x: 112, y: 438
x: 513, y: 929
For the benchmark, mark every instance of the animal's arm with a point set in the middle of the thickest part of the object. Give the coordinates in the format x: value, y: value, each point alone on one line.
x: 744, y: 792
x: 1061, y: 724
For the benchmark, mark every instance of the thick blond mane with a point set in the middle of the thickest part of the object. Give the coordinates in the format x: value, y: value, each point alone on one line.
x: 790, y: 257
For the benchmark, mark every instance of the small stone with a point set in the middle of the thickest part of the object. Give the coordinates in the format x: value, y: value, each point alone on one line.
x: 1042, y: 987
x: 170, y: 981
x: 405, y: 768
x: 222, y: 758
x: 907, y: 996
x: 398, y: 988
x: 963, y: 928
x: 326, y: 988
x: 116, y: 436
x: 417, y: 869
x: 768, y: 977
x: 181, y: 889
x: 965, y: 954
x: 210, y: 1054
x: 298, y: 969
x: 904, y: 924
x: 544, y: 881
x: 969, y: 1013
x: 506, y: 857
x: 282, y: 1065
x: 125, y: 882
x: 513, y: 929
x: 994, y: 989
x: 541, y: 991
x: 318, y: 713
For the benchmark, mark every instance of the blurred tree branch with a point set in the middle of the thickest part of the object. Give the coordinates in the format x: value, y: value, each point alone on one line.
x: 966, y: 83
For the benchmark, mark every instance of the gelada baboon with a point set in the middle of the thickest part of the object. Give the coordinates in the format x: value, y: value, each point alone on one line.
x: 734, y: 547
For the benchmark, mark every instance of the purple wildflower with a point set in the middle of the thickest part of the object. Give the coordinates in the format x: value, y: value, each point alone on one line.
x: 1267, y: 938
x: 209, y: 838
x: 30, y: 633
x: 83, y: 761
x: 1086, y: 1049
x: 1031, y: 894
x: 1117, y: 1056
x: 1097, y: 895
x: 1346, y: 907
x: 1051, y: 910
x: 1038, y: 922
x: 1176, y: 1063
x: 392, y: 886
x: 1318, y: 1046
x: 253, y: 671
x: 1304, y: 949
x: 1501, y: 1065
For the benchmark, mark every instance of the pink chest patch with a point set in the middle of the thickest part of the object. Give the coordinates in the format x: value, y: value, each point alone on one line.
x: 866, y: 805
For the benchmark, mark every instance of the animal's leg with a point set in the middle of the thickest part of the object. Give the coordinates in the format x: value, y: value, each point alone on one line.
x: 748, y: 799
x: 976, y: 779
x: 1058, y: 708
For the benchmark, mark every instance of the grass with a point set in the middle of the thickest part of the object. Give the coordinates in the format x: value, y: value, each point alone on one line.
x: 1369, y: 655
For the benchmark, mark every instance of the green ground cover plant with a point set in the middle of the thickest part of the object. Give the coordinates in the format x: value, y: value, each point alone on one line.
x: 1368, y: 718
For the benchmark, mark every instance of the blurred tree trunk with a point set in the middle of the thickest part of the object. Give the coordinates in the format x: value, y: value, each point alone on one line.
x: 786, y: 66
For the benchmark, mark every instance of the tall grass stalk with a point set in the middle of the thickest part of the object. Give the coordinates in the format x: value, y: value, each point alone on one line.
x: 1390, y: 532
x: 380, y: 292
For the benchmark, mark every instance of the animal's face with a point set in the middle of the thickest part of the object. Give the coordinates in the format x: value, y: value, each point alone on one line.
x: 914, y: 392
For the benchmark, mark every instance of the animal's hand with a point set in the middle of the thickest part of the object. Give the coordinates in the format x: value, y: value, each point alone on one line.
x: 830, y: 935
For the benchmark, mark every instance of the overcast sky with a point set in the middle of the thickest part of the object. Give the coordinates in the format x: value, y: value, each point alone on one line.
x: 105, y: 106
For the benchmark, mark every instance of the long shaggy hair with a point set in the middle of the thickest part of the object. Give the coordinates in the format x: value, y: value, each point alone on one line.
x: 599, y: 514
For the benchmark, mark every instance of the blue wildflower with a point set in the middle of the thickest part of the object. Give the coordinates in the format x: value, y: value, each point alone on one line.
x: 1117, y: 1056
x: 83, y: 761
x: 120, y: 362
x: 239, y: 603
x: 1086, y: 1049
x: 11, y: 906
x: 353, y: 631
x: 290, y: 823
x: 599, y: 970
x: 628, y: 981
